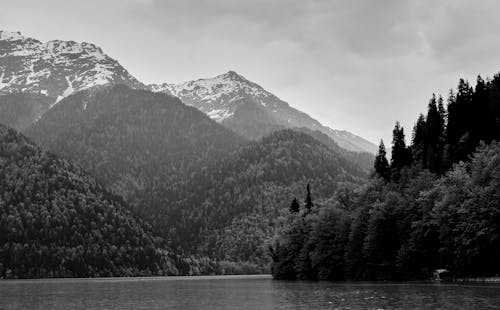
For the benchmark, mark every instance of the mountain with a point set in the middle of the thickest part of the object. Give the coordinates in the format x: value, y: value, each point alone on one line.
x: 250, y: 110
x: 51, y: 71
x: 233, y: 203
x: 20, y: 110
x: 363, y: 160
x: 135, y: 142
x: 187, y: 175
x: 56, y: 221
x: 40, y: 74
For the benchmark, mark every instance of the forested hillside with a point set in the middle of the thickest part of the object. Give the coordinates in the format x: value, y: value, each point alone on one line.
x: 18, y: 110
x: 363, y: 160
x: 227, y: 210
x: 202, y: 187
x: 135, y: 142
x: 434, y: 205
x: 56, y: 221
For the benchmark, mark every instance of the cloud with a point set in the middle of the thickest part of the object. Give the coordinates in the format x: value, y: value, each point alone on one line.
x: 353, y: 64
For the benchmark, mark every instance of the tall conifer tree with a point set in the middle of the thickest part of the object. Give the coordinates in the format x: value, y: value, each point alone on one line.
x: 381, y: 164
x: 308, y: 202
x: 401, y: 155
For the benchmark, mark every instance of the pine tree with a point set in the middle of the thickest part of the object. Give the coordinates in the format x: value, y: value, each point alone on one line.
x: 381, y: 164
x: 482, y: 118
x: 459, y: 126
x: 418, y: 145
x: 308, y: 202
x: 451, y: 131
x: 494, y: 107
x: 441, y: 109
x: 401, y: 155
x: 434, y: 136
x: 295, y: 206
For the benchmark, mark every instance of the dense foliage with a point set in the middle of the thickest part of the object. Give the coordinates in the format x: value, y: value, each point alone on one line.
x: 448, y: 135
x: 363, y: 160
x: 435, y: 205
x: 400, y: 231
x: 56, y: 221
x: 200, y: 186
x: 133, y: 141
x: 230, y: 206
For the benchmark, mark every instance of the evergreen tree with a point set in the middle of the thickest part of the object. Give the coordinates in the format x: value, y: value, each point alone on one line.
x: 481, y: 117
x: 381, y: 165
x: 295, y: 206
x: 418, y: 141
x: 308, y: 202
x: 401, y: 156
x: 494, y: 107
x: 441, y: 108
x: 459, y: 112
x: 434, y: 136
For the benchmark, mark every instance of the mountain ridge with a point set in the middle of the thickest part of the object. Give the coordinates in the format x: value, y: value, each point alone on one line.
x: 221, y: 97
x: 57, y: 69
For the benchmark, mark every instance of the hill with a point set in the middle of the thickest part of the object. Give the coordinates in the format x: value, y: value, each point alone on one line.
x: 56, y: 221
x: 135, y: 142
x: 190, y: 177
x: 229, y: 208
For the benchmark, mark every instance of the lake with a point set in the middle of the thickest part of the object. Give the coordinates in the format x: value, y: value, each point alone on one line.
x: 240, y: 292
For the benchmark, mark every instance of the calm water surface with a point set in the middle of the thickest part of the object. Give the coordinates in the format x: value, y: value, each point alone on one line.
x: 240, y: 292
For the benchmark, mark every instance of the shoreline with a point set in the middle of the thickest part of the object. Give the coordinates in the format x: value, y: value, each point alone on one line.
x: 478, y: 280
x: 152, y: 278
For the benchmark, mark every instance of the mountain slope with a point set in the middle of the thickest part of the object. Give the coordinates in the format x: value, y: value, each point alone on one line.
x: 251, y: 121
x: 19, y: 110
x: 132, y: 140
x: 190, y: 177
x: 55, y: 69
x: 56, y: 221
x: 249, y: 188
x: 363, y: 160
x: 221, y: 98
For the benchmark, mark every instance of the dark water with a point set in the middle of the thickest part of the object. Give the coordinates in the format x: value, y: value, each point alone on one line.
x: 240, y: 293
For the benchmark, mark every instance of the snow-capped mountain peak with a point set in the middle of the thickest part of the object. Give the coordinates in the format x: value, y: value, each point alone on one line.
x: 218, y: 96
x: 249, y: 109
x: 11, y: 36
x: 55, y: 68
x: 43, y: 73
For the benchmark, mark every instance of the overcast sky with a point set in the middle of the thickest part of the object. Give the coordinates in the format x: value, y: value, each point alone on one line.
x: 354, y: 65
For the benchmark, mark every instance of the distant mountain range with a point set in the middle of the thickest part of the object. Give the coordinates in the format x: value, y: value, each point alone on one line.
x: 250, y: 110
x: 195, y: 161
x: 45, y: 73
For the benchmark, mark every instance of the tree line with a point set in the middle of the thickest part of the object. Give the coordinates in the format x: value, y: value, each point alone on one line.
x: 435, y: 204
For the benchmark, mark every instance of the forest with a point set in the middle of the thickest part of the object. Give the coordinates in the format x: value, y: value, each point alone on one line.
x: 56, y: 221
x: 174, y: 181
x: 204, y: 189
x: 435, y: 204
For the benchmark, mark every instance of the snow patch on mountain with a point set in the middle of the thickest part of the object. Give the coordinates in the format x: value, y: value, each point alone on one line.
x: 221, y: 96
x: 10, y: 36
x: 56, y: 68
